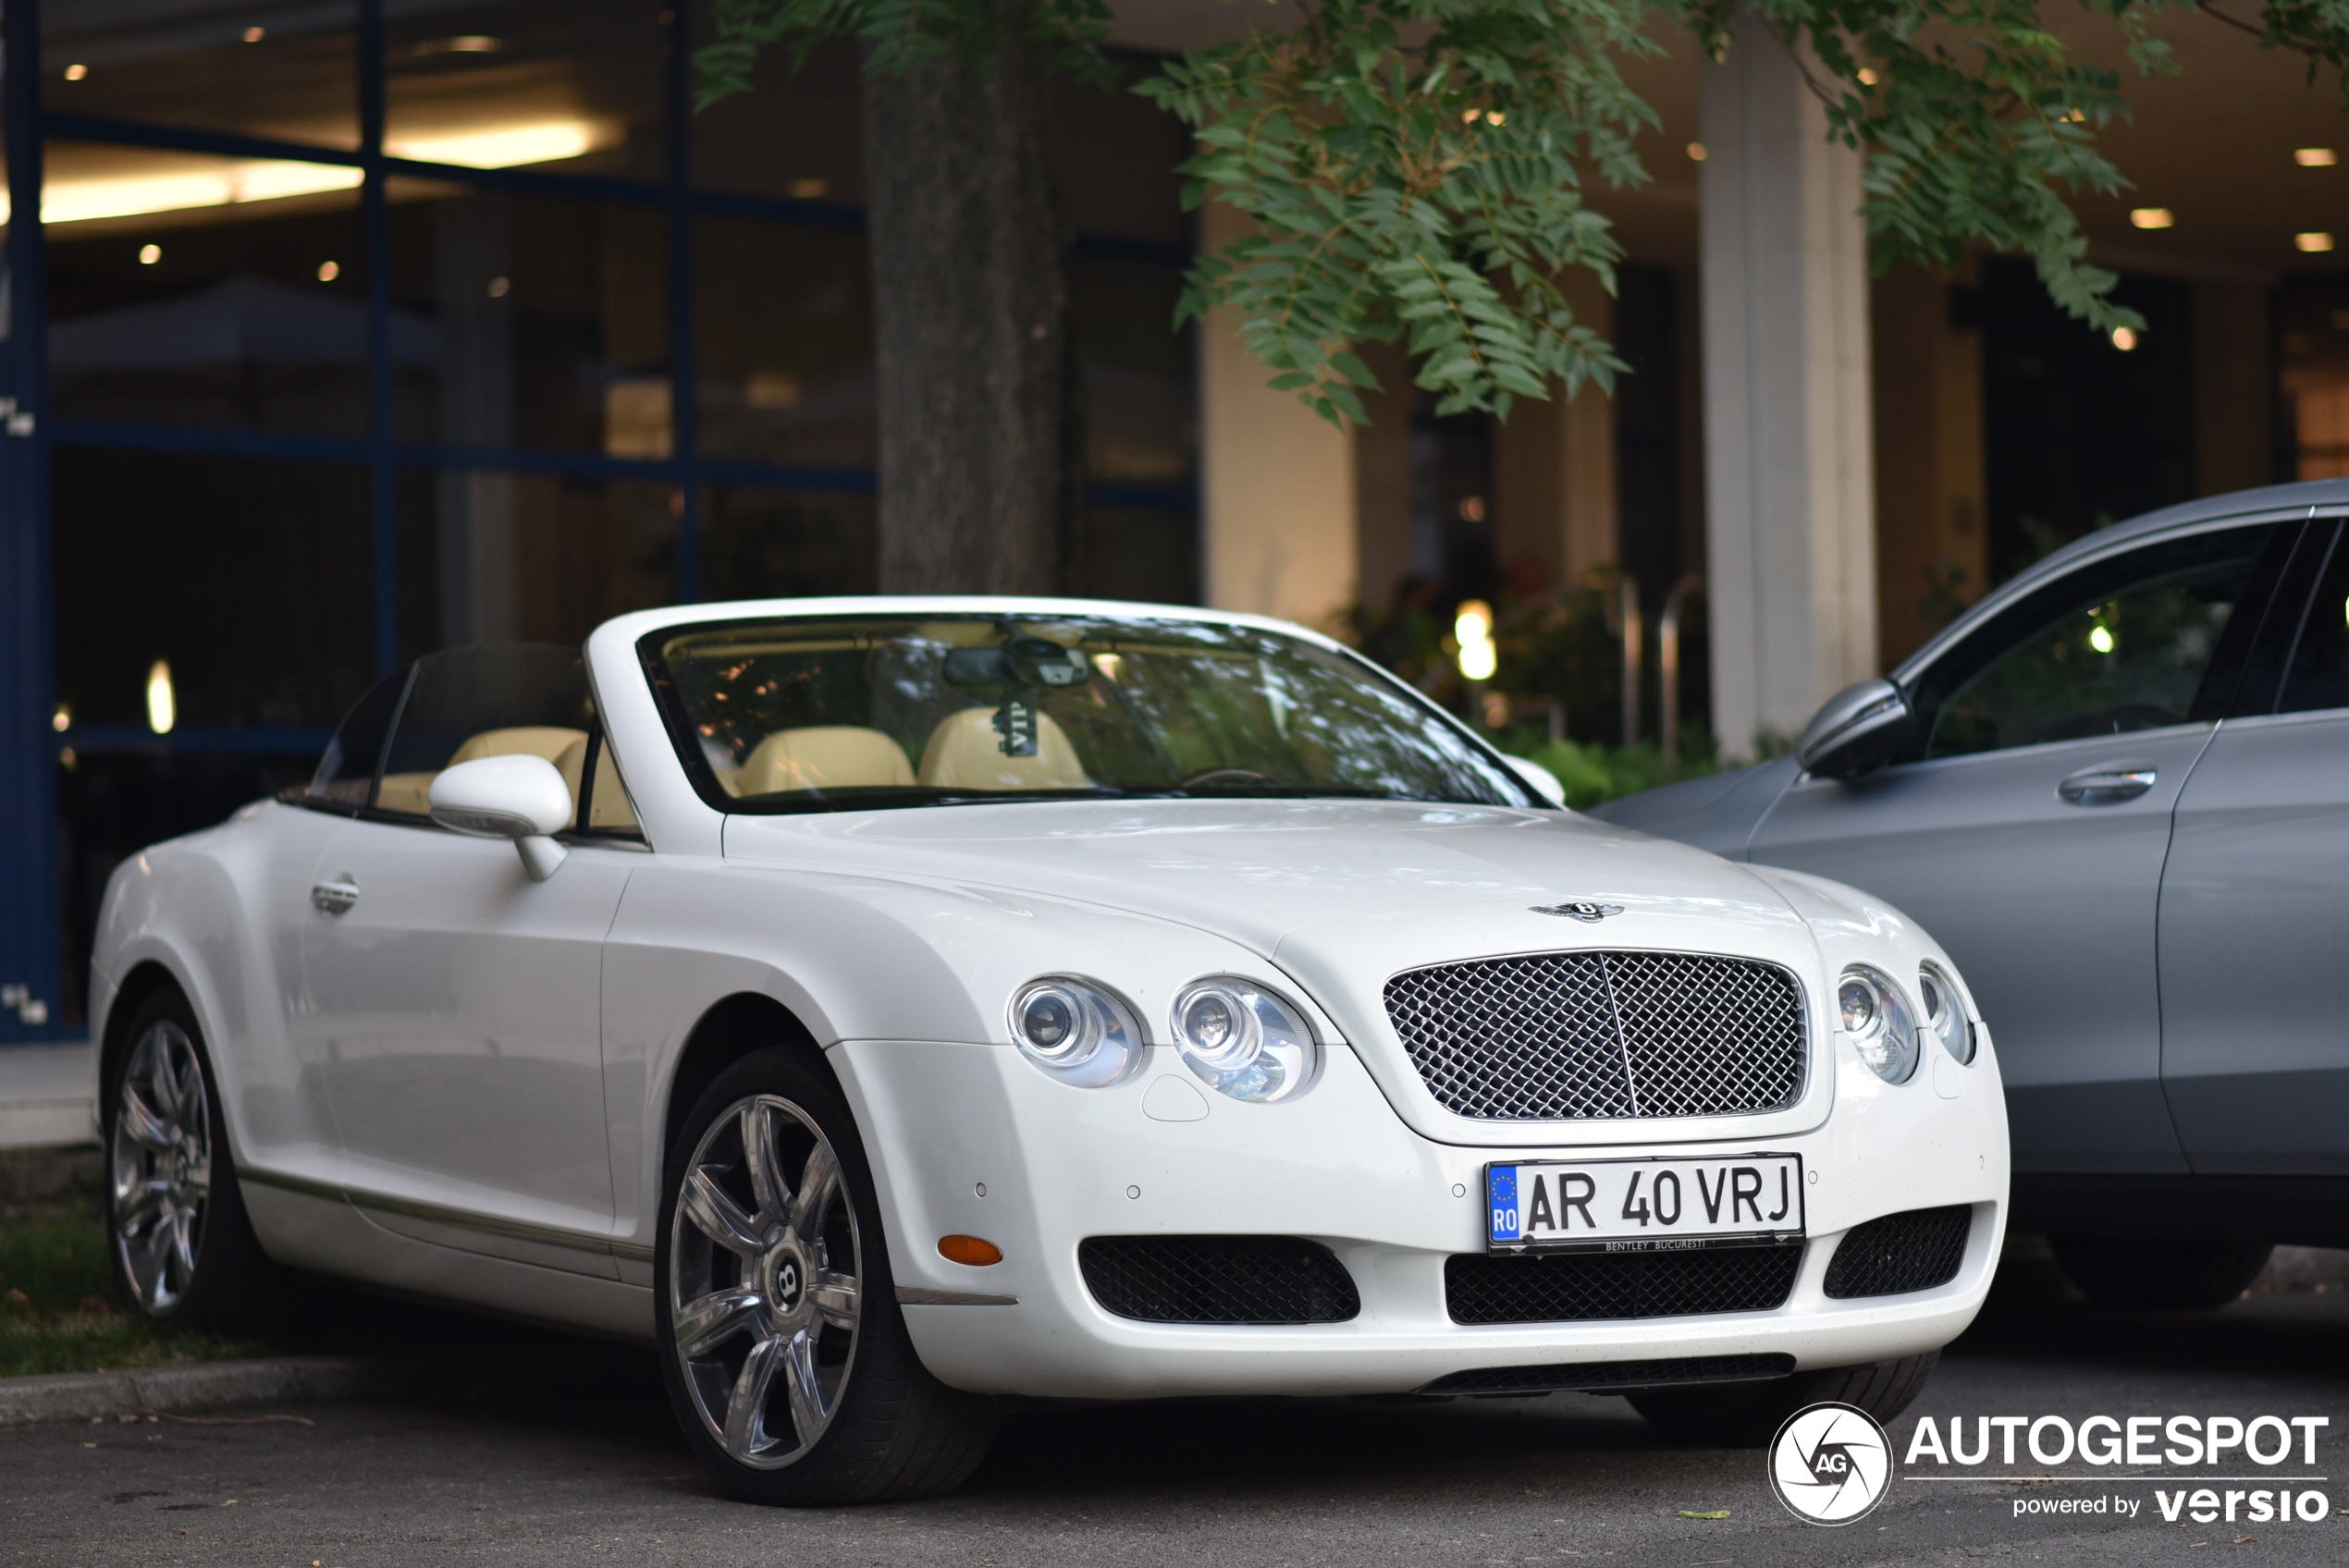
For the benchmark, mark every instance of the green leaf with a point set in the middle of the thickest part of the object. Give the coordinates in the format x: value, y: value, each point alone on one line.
x: 1704, y: 1514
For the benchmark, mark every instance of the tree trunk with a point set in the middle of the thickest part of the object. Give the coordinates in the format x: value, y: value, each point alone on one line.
x: 979, y: 485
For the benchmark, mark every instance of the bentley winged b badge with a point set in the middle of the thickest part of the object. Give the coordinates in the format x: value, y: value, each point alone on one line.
x: 1579, y: 909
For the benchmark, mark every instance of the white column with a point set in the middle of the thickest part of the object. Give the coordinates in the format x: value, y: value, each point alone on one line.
x: 1276, y: 482
x: 1790, y: 486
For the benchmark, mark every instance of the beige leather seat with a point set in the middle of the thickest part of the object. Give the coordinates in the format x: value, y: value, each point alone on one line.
x: 965, y: 752
x: 610, y: 807
x: 411, y: 792
x: 827, y: 756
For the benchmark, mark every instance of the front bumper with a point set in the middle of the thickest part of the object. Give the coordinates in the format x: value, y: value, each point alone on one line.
x: 968, y: 1139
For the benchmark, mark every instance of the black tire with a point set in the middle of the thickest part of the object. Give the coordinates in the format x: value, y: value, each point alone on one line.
x: 892, y: 1431
x: 2131, y: 1274
x: 183, y: 1250
x: 1749, y: 1414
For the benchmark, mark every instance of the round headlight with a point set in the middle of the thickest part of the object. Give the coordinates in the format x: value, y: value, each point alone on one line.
x: 1945, y: 1014
x: 1243, y: 1040
x: 1075, y: 1031
x: 1877, y: 1018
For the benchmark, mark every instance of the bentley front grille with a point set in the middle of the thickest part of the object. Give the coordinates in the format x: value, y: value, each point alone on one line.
x: 1900, y: 1253
x: 1218, y: 1279
x: 1597, y: 1035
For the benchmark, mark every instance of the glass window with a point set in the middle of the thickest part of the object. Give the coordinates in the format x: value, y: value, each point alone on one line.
x: 242, y: 581
x: 346, y: 774
x: 764, y: 543
x: 2119, y: 645
x: 1114, y: 155
x: 1149, y: 553
x: 491, y: 700
x: 223, y: 293
x: 1139, y: 427
x: 286, y: 71
x: 794, y: 133
x: 548, y: 322
x: 489, y: 557
x: 2319, y: 675
x: 553, y: 83
x: 822, y: 715
x: 785, y: 342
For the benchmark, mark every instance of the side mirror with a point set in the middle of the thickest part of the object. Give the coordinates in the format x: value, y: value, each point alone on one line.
x: 521, y: 797
x: 1545, y: 783
x: 1859, y: 729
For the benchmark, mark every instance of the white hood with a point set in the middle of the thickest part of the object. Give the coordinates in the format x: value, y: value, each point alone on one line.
x: 1342, y: 895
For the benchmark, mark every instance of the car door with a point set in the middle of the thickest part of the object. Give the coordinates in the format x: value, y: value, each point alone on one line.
x: 456, y: 1020
x: 2255, y: 907
x: 2026, y: 824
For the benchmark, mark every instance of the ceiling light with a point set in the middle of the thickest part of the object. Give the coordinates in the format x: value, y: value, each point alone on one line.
x: 81, y: 201
x: 2315, y: 157
x: 1868, y: 77
x: 2124, y: 339
x: 256, y: 34
x: 462, y: 43
x: 2314, y: 241
x: 75, y: 73
x: 503, y: 147
x: 62, y: 721
x: 1696, y: 152
x: 150, y: 255
x: 808, y: 190
x: 2152, y: 217
x: 330, y: 271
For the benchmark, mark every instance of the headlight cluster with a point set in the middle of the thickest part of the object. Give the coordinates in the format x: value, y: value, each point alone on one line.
x: 1875, y: 1014
x: 1076, y: 1031
x: 1242, y: 1039
x: 1234, y: 1034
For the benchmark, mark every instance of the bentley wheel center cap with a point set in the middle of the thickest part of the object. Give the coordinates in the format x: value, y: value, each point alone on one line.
x: 787, y: 1278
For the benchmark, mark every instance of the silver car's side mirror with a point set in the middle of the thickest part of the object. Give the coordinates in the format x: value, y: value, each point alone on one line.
x: 521, y: 797
x: 1859, y: 728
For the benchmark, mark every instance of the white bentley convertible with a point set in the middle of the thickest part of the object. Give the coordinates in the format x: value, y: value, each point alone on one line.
x: 886, y: 1005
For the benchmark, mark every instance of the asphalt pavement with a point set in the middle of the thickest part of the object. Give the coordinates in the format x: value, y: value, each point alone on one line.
x: 531, y: 1447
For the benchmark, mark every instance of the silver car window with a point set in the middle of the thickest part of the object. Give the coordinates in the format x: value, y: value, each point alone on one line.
x: 2123, y: 643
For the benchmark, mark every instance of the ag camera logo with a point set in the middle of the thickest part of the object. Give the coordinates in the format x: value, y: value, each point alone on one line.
x: 1830, y: 1464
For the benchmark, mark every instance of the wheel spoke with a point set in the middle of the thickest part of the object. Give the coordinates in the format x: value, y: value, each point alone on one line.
x: 163, y: 1076
x: 817, y: 1182
x: 145, y: 1127
x: 182, y: 1234
x: 703, y: 1324
x: 745, y: 1411
x: 720, y: 1217
x: 138, y: 1208
x: 836, y: 1298
x: 765, y: 1161
x: 807, y: 1409
x: 145, y: 1256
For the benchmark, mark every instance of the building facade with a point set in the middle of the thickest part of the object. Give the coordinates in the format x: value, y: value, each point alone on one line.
x: 341, y: 330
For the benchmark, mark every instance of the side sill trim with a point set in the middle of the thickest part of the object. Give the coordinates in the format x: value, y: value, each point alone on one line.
x: 914, y: 1295
x: 487, y: 1224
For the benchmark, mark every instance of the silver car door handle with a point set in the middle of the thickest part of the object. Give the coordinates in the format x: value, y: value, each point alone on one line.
x: 2104, y: 787
x: 336, y: 897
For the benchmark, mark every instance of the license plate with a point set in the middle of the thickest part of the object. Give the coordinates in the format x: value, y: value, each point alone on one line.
x: 1644, y: 1205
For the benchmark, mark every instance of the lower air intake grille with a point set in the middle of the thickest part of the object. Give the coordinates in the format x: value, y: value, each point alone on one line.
x: 1575, y: 1287
x: 1218, y: 1279
x: 1597, y: 1036
x: 1900, y: 1253
x: 1601, y: 1377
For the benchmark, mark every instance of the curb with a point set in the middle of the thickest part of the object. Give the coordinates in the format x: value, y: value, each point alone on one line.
x: 74, y: 1396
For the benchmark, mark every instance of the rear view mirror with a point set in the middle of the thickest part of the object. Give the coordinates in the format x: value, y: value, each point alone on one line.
x: 521, y: 797
x: 1860, y: 728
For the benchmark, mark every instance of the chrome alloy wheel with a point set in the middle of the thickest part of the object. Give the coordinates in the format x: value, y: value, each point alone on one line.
x: 765, y: 1281
x: 161, y: 1166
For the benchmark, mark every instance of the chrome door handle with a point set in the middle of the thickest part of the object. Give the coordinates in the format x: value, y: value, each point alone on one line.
x: 2106, y: 786
x: 336, y: 897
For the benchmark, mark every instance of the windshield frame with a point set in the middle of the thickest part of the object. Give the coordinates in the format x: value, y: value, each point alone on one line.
x: 685, y: 746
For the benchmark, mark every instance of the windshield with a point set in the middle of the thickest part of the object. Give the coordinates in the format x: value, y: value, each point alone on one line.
x: 857, y: 713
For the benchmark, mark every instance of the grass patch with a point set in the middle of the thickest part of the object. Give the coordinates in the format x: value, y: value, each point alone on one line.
x: 61, y: 1312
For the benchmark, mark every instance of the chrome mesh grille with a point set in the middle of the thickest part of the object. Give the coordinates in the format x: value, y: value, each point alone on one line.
x: 1593, y: 1036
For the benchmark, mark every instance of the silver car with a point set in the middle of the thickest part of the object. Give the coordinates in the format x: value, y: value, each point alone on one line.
x: 2117, y: 789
